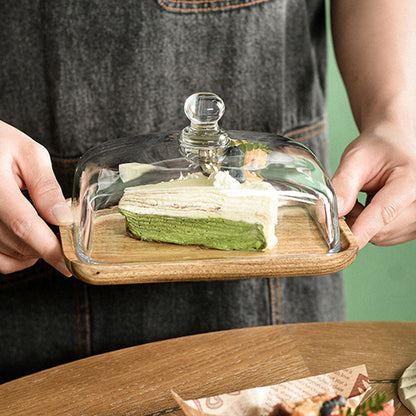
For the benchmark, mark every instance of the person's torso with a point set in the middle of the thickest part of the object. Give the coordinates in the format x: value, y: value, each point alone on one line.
x: 75, y: 74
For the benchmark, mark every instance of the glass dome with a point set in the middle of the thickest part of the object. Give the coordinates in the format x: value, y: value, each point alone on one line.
x: 202, y: 197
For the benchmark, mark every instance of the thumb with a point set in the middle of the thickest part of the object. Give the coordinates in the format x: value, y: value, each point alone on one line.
x: 348, y: 180
x: 44, y: 189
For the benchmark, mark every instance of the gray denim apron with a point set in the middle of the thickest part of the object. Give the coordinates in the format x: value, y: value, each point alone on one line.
x: 76, y: 73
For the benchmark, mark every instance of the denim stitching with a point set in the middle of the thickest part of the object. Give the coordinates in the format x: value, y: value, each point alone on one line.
x: 279, y: 302
x: 310, y: 136
x: 306, y: 129
x: 192, y: 5
x: 64, y: 160
x: 272, y: 300
x: 82, y: 314
x: 307, y: 132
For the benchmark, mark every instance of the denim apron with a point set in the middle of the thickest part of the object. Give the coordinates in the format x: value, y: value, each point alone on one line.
x: 75, y: 74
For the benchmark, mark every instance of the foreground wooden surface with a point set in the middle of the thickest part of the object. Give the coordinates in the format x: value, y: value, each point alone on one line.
x: 300, y: 251
x: 139, y: 380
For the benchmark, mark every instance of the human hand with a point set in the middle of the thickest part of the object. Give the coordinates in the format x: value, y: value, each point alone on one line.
x: 381, y: 163
x: 24, y: 234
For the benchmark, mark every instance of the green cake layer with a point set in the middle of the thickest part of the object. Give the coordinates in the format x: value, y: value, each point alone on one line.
x: 216, y: 233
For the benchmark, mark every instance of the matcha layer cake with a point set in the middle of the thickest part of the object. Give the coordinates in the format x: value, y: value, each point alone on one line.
x: 215, y: 211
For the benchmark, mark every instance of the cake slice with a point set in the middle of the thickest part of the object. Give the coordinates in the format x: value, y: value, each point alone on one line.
x: 215, y: 211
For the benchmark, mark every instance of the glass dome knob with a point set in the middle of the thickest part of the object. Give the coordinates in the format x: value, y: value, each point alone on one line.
x: 204, y: 110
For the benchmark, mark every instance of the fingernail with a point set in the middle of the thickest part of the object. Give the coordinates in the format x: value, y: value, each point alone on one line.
x: 61, y: 266
x: 340, y: 203
x: 62, y: 213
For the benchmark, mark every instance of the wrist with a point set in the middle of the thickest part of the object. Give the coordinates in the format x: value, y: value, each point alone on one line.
x: 395, y: 112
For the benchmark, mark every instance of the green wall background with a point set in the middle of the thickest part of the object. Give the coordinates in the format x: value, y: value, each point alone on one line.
x: 381, y: 284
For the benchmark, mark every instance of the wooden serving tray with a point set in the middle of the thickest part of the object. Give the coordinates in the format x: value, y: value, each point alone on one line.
x: 120, y: 259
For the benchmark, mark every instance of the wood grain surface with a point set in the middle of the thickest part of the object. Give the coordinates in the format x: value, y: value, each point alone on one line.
x: 139, y: 380
x: 117, y: 258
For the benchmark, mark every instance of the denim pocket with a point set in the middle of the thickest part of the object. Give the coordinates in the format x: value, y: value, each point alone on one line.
x: 204, y: 6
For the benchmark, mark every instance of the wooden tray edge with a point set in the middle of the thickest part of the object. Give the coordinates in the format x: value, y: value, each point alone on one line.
x: 211, y: 269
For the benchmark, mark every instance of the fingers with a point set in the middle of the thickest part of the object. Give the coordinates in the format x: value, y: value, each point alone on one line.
x: 30, y: 233
x: 13, y: 246
x: 384, y: 169
x: 349, y: 179
x: 402, y: 229
x: 379, y: 216
x: 383, y: 220
x: 43, y: 187
x: 353, y: 214
x: 11, y: 264
x: 24, y: 234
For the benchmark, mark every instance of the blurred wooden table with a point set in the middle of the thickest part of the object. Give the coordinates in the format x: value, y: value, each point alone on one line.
x: 138, y: 380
